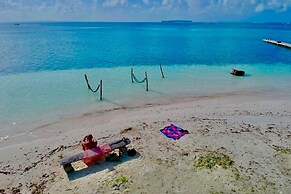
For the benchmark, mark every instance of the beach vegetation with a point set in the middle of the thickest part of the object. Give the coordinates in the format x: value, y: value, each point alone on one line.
x: 120, y: 182
x: 281, y: 150
x: 121, y: 179
x: 212, y: 159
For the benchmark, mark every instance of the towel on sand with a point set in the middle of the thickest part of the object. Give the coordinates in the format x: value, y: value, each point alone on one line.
x: 173, y: 132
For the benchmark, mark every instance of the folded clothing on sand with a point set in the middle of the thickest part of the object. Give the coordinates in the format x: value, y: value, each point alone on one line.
x: 174, y: 132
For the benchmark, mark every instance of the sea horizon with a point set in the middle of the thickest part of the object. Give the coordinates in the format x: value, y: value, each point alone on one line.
x: 156, y: 21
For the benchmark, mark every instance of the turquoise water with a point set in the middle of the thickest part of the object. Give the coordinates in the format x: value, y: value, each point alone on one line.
x: 42, y: 65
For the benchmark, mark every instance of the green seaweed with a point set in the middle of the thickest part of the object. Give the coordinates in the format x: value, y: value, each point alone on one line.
x: 212, y: 159
x: 121, y: 179
x: 281, y: 150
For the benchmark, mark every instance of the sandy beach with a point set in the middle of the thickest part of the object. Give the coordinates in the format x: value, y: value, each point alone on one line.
x: 238, y: 143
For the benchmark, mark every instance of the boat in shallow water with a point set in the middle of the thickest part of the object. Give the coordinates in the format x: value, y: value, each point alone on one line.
x: 237, y: 72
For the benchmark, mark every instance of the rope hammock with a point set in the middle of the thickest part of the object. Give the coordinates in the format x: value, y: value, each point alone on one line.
x: 134, y: 79
x: 89, y: 87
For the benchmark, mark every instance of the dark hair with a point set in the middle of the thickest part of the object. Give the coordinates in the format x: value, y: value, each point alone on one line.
x: 88, y: 137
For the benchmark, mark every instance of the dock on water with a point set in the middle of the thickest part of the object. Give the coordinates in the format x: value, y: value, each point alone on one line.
x: 279, y: 43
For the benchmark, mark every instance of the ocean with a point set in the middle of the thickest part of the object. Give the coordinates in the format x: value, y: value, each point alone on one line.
x: 42, y: 66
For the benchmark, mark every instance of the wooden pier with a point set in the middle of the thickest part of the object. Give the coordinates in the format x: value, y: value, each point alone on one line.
x: 279, y: 43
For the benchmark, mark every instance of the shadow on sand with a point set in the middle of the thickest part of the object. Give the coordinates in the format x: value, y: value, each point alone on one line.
x: 100, y: 167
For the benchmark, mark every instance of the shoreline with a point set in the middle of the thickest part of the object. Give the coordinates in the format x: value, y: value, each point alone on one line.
x: 40, y: 131
x: 251, y: 130
x: 36, y: 102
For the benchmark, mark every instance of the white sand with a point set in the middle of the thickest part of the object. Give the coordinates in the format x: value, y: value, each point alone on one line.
x: 244, y: 127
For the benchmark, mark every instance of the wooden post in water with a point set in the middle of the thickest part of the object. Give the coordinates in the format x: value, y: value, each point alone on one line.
x: 131, y: 74
x: 86, y: 78
x: 101, y: 88
x: 147, y: 81
x: 162, y: 71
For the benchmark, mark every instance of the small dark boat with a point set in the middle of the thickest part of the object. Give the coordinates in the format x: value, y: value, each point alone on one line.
x: 237, y: 72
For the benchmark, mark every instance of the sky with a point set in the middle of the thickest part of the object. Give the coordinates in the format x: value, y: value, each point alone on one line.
x: 146, y: 10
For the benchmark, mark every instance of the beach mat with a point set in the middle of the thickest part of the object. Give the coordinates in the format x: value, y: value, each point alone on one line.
x: 174, y: 132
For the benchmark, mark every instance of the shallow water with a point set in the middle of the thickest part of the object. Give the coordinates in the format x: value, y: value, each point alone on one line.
x: 40, y: 97
x: 42, y: 66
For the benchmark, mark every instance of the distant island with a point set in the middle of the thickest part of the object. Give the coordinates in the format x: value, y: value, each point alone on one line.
x: 176, y: 21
